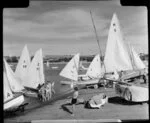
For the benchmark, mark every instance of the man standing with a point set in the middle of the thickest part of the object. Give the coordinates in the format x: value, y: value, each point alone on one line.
x: 74, y: 99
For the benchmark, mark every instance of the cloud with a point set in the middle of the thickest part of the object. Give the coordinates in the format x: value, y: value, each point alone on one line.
x: 76, y: 24
x: 67, y: 25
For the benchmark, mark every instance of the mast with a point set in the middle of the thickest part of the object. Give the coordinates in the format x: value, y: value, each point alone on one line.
x: 97, y: 40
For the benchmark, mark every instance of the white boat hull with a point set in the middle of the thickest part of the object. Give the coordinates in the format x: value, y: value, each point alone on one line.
x: 87, y: 82
x: 67, y: 82
x: 133, y: 74
x: 55, y: 67
x: 83, y: 77
x: 14, y: 103
x: 31, y: 94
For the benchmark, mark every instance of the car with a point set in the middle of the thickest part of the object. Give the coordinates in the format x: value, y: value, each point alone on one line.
x: 132, y: 92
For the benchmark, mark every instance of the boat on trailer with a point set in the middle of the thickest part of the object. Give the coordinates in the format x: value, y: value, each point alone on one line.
x: 91, y: 77
x: 13, y: 99
x: 23, y: 65
x: 119, y: 57
x: 35, y: 75
x: 125, y: 60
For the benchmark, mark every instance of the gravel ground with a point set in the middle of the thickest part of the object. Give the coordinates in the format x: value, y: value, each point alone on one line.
x: 116, y: 108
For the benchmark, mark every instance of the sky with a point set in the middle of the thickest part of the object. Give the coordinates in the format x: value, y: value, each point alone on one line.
x: 65, y: 27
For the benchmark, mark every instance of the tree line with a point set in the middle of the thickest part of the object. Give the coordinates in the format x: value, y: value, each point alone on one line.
x: 14, y: 59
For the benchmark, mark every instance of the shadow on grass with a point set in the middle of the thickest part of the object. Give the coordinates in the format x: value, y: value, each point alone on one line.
x: 121, y: 101
x: 65, y: 108
x: 38, y: 104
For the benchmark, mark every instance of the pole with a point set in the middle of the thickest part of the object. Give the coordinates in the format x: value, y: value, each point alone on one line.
x: 96, y: 34
x: 97, y: 40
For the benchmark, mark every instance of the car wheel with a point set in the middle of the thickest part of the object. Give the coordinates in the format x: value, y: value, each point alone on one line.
x: 127, y: 95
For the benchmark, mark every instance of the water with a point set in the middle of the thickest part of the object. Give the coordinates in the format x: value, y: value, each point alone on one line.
x: 52, y: 75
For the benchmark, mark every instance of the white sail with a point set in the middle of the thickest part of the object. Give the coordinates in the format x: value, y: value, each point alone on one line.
x: 15, y: 84
x: 35, y: 73
x: 116, y: 56
x: 137, y: 62
x: 23, y: 64
x: 6, y: 90
x: 94, y: 69
x: 70, y: 71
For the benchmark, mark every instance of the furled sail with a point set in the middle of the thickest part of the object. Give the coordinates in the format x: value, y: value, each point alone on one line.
x: 35, y: 73
x: 15, y: 84
x: 23, y: 64
x: 116, y: 56
x: 137, y: 62
x: 6, y: 90
x: 94, y: 69
x: 70, y: 71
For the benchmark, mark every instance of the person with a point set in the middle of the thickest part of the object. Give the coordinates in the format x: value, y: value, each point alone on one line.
x: 48, y: 91
x: 104, y: 80
x: 116, y: 75
x: 43, y: 93
x: 39, y: 91
x: 39, y: 94
x: 52, y: 88
x: 74, y: 99
x: 39, y: 86
x: 105, y: 83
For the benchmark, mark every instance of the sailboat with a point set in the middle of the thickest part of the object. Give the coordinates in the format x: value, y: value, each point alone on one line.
x: 70, y: 71
x: 35, y: 72
x: 110, y: 51
x: 117, y: 56
x: 94, y: 69
x: 12, y: 101
x: 15, y: 84
x: 23, y: 64
x: 137, y: 62
x: 138, y: 66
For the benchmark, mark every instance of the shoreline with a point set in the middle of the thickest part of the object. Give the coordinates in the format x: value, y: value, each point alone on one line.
x: 56, y: 62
